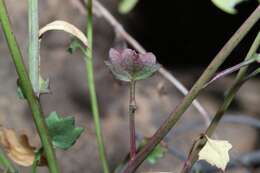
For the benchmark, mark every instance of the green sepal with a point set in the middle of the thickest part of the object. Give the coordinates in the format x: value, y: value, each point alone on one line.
x: 119, y: 73
x: 146, y: 72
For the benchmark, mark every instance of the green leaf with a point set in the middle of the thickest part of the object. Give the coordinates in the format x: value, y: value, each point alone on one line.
x: 227, y: 6
x: 20, y: 93
x: 44, y: 85
x: 215, y: 152
x: 62, y: 130
x: 257, y: 56
x: 125, y: 6
x: 74, y: 46
x: 158, y: 152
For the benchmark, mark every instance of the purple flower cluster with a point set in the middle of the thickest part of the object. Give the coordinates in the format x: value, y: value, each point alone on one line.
x: 127, y: 65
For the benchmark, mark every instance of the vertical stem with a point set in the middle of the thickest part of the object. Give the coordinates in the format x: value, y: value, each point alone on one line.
x: 92, y: 90
x: 132, y: 110
x: 7, y: 164
x: 33, y: 47
x: 27, y: 89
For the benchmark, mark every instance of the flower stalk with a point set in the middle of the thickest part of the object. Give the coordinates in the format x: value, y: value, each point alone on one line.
x: 132, y: 110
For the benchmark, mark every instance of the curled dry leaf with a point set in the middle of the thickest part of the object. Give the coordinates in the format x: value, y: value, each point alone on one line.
x: 17, y: 147
x: 64, y: 26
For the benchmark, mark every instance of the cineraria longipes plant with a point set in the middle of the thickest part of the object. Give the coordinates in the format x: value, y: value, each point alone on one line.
x: 129, y: 66
x: 126, y: 65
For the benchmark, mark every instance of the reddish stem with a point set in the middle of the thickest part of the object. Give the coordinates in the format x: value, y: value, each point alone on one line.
x: 132, y: 110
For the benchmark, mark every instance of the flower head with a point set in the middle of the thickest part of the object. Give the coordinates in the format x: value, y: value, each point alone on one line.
x: 127, y: 65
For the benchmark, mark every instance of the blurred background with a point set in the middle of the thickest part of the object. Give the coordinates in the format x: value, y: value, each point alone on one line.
x: 184, y: 35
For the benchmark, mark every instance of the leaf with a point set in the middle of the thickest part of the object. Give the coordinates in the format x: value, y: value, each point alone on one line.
x: 44, y: 85
x: 20, y: 94
x: 17, y: 147
x: 125, y: 6
x: 158, y: 152
x: 62, y: 130
x: 74, y: 45
x: 215, y: 152
x: 64, y: 26
x: 257, y: 57
x: 227, y: 6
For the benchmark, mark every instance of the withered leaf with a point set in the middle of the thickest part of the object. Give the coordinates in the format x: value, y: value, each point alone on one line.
x: 17, y: 147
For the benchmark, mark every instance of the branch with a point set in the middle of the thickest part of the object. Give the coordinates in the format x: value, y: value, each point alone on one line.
x: 240, y: 80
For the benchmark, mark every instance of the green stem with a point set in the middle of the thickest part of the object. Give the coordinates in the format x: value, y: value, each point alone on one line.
x: 34, y: 166
x: 33, y: 50
x: 197, y: 87
x: 27, y: 89
x: 223, y: 108
x: 6, y: 163
x: 92, y: 90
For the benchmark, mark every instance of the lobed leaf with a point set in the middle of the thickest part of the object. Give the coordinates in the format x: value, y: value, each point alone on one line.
x: 62, y: 130
x: 215, y: 152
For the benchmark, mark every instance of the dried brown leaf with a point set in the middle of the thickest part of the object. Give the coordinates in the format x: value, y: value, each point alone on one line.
x: 17, y: 147
x: 64, y: 26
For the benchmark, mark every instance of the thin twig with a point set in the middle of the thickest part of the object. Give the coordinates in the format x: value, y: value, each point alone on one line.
x: 101, y: 11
